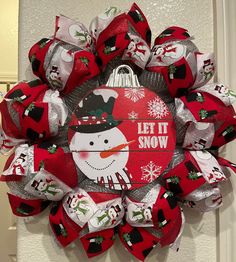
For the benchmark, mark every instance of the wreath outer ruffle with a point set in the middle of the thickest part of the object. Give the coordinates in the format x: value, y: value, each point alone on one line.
x: 72, y: 65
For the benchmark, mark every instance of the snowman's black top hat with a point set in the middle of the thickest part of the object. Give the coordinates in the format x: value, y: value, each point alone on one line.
x: 36, y: 183
x: 201, y: 142
x: 69, y: 200
x: 94, y: 112
x: 116, y: 208
x: 22, y: 156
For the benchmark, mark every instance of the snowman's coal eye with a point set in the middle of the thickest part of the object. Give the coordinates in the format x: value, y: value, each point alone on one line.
x: 105, y: 141
x: 91, y: 143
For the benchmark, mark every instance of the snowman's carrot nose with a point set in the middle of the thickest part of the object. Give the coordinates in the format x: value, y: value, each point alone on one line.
x: 107, y: 153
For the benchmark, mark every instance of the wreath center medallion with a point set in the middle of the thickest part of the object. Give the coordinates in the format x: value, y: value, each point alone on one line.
x: 111, y: 131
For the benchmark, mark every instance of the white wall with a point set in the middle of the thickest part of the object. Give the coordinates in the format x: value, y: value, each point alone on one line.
x: 36, y: 21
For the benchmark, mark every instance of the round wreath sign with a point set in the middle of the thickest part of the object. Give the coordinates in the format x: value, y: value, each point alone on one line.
x: 115, y: 136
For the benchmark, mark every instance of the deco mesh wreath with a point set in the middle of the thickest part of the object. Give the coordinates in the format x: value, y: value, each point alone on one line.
x: 111, y: 158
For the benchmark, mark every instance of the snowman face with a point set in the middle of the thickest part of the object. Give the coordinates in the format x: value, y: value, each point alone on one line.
x: 208, y: 68
x: 74, y: 202
x: 175, y: 51
x: 147, y: 214
x: 89, y: 39
x: 168, y: 53
x: 217, y: 173
x: 131, y: 46
x: 223, y: 90
x: 19, y: 161
x: 158, y: 50
x: 42, y: 186
x: 53, y: 75
x: 86, y: 151
x: 112, y: 213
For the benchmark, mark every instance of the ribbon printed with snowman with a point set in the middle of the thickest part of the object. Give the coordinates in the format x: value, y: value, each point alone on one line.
x: 119, y: 156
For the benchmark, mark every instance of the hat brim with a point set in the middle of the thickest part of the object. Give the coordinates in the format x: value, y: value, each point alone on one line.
x: 95, y: 128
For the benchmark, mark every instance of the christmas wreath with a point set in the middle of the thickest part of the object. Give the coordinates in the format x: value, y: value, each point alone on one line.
x: 115, y: 136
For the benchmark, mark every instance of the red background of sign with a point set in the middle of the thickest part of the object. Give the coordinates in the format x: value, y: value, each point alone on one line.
x: 138, y: 157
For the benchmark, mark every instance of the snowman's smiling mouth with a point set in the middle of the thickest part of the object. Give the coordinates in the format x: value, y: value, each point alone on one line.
x: 103, y: 168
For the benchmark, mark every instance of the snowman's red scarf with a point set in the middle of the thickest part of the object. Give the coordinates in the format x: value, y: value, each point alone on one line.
x: 117, y: 180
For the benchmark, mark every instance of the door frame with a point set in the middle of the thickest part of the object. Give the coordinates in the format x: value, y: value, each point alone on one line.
x: 225, y: 42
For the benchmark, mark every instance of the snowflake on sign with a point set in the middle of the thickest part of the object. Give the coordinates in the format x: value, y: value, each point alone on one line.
x: 157, y: 108
x: 150, y: 172
x: 133, y: 116
x: 134, y: 94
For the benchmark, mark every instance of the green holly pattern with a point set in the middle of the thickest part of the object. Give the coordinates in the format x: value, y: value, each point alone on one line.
x: 203, y: 114
x: 208, y: 75
x: 32, y: 58
x: 140, y: 17
x: 99, y: 240
x: 42, y: 45
x: 107, y: 50
x: 126, y: 237
x: 82, y: 34
x: 64, y: 231
x: 174, y: 179
x: 170, y: 194
x: 41, y: 165
x: 171, y: 69
x: 98, y: 113
x: 47, y: 190
x: 52, y: 149
x: 229, y: 129
x: 110, y: 119
x: 85, y: 61
x: 160, y: 224
x: 193, y: 175
x: 30, y: 107
x: 200, y: 98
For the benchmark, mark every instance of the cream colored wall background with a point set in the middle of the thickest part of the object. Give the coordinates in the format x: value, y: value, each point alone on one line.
x: 36, y: 21
x: 8, y: 36
x: 8, y: 72
x: 9, y: 48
